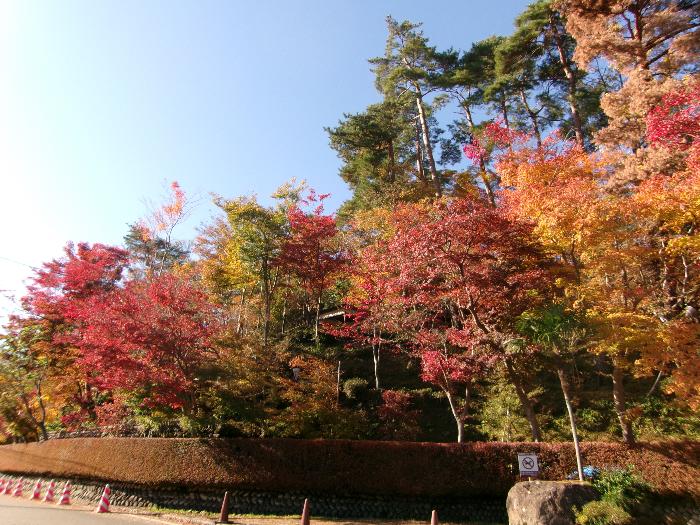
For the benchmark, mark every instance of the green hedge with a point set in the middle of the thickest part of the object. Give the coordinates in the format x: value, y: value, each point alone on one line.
x: 341, y: 467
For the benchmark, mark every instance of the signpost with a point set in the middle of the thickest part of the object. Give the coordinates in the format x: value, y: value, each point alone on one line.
x: 527, y: 463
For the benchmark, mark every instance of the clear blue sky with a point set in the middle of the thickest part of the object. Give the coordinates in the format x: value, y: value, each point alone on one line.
x: 101, y: 102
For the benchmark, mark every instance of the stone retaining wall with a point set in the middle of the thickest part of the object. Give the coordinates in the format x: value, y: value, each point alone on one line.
x: 482, y: 510
x: 486, y: 510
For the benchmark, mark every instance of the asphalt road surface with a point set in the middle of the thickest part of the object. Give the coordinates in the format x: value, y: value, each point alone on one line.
x: 16, y: 511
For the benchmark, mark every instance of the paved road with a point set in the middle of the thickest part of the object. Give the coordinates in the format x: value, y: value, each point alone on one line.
x: 16, y: 511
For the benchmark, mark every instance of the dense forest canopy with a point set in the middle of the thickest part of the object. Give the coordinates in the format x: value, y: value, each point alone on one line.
x: 526, y: 271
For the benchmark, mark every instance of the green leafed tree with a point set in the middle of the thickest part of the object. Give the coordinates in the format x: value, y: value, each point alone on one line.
x: 406, y: 69
x: 152, y: 254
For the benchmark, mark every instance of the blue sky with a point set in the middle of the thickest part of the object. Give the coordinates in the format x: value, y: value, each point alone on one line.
x: 103, y: 102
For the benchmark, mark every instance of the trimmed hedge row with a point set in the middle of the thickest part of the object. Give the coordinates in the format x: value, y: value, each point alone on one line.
x: 340, y: 466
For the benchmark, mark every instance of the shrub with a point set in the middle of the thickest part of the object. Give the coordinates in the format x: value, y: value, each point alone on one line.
x: 622, y: 487
x: 602, y: 513
x: 356, y: 389
x: 398, y: 419
x: 501, y: 417
x: 349, y: 467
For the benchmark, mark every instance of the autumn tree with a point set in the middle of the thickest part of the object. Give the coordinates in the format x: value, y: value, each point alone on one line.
x: 56, y: 291
x: 148, y: 338
x: 650, y: 44
x: 665, y: 211
x: 150, y: 241
x: 311, y: 404
x: 560, y: 335
x: 240, y: 253
x: 462, y: 272
x: 311, y: 251
x: 150, y: 254
x: 369, y: 314
x: 465, y: 78
x: 25, y: 370
x: 614, y: 264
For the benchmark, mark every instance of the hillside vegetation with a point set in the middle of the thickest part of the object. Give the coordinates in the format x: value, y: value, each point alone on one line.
x: 528, y: 271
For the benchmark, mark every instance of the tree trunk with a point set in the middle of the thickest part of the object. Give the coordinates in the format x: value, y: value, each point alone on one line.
x: 419, y: 155
x: 284, y: 315
x: 391, y: 177
x: 504, y: 112
x: 426, y: 143
x: 656, y: 384
x: 337, y: 388
x: 266, y: 320
x: 457, y: 416
x: 317, y: 319
x: 376, y: 348
x: 619, y: 402
x: 524, y: 402
x: 571, y: 82
x: 38, y: 424
x: 239, y: 321
x: 566, y: 391
x: 533, y: 117
x: 42, y: 409
x: 375, y: 356
x: 483, y: 172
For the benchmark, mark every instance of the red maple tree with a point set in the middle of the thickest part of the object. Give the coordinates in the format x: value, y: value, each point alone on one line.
x: 460, y: 272
x: 311, y: 252
x: 150, y: 337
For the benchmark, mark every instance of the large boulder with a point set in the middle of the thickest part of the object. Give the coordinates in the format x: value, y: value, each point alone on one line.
x: 547, y: 502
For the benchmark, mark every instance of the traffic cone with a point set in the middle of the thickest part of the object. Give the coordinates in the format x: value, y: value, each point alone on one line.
x: 305, y: 513
x: 103, y: 506
x: 434, y: 518
x: 8, y: 487
x: 37, y: 490
x: 65, y: 497
x: 223, y: 518
x: 48, y: 498
x: 19, y: 488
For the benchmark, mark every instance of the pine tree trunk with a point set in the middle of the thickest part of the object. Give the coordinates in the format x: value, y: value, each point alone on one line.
x: 483, y: 172
x: 504, y: 112
x: 419, y: 155
x: 391, y: 176
x: 620, y: 408
x: 566, y: 391
x: 533, y: 117
x: 524, y: 402
x: 426, y: 143
x: 571, y: 83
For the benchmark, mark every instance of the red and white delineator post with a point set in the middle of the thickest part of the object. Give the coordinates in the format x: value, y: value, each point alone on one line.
x: 8, y: 487
x: 19, y: 489
x: 49, y: 496
x: 36, y: 493
x: 65, y: 497
x: 103, y: 505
